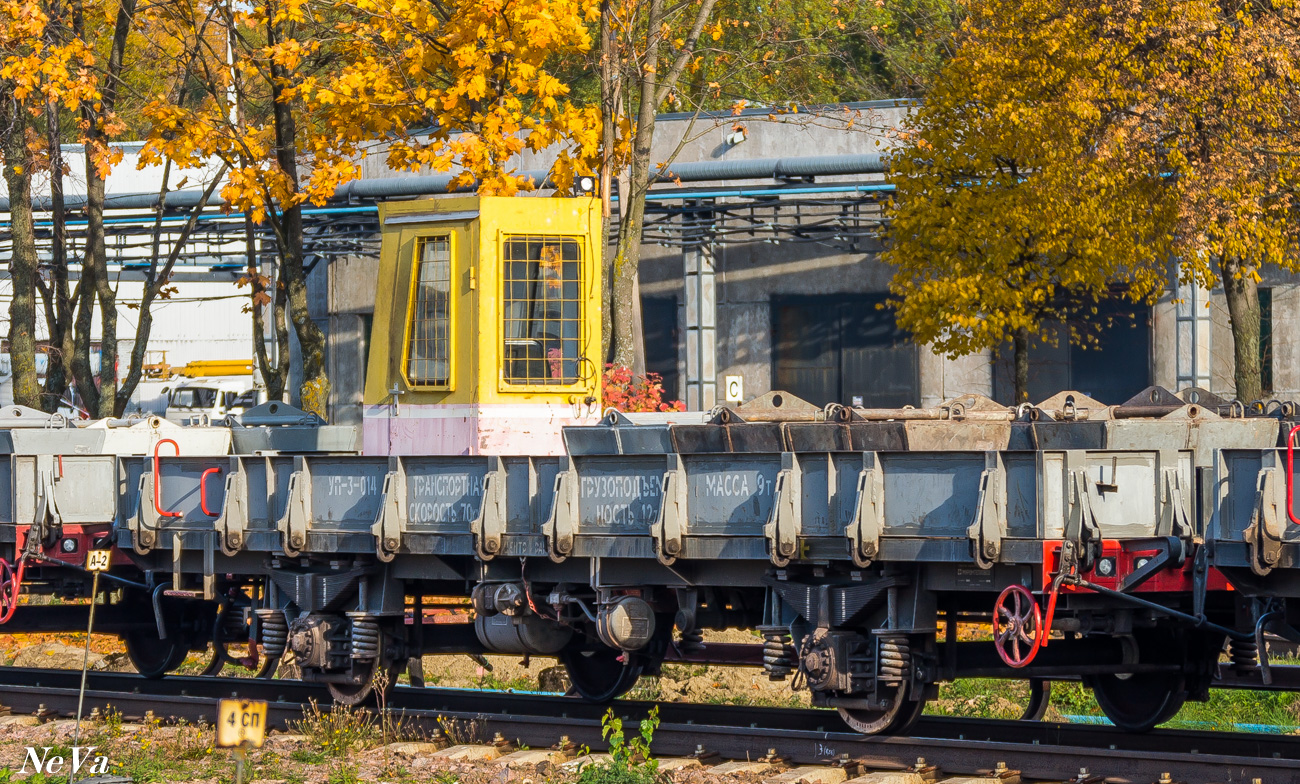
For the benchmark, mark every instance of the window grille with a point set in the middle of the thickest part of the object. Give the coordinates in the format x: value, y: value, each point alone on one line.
x: 541, y: 310
x: 429, y: 353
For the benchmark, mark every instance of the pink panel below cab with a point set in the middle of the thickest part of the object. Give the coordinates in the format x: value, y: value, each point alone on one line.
x: 525, y: 429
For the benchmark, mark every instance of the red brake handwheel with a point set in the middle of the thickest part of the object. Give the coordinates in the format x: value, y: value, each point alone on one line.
x: 1017, y: 621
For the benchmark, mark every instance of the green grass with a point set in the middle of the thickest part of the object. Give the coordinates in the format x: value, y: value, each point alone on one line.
x: 999, y: 699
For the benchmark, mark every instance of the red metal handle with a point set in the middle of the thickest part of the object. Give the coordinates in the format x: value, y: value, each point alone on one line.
x: 203, y: 491
x: 157, y: 478
x: 1290, y: 467
x: 11, y: 585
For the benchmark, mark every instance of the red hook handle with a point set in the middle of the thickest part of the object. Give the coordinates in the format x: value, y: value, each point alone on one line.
x: 11, y: 585
x: 1290, y: 482
x: 203, y: 491
x: 157, y: 478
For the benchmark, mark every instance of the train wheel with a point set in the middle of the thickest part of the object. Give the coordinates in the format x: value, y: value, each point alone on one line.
x: 901, y: 714
x: 356, y: 693
x: 218, y: 661
x: 1141, y: 701
x: 268, y: 669
x: 1040, y: 695
x: 599, y: 676
x: 153, y: 658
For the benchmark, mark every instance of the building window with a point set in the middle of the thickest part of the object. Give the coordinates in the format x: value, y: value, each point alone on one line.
x: 843, y: 348
x: 1113, y: 365
x: 541, y: 310
x: 428, y: 356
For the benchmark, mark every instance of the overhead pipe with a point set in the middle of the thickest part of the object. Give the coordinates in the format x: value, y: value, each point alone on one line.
x: 430, y: 184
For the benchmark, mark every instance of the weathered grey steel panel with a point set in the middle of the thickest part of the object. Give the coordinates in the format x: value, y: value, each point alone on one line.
x: 1052, y: 482
x: 730, y: 494
x: 618, y: 495
x: 85, y: 487
x: 296, y: 438
x: 530, y: 494
x: 179, y: 491
x: 1059, y: 435
x: 443, y: 494
x: 1237, y: 482
x: 645, y: 440
x: 819, y: 485
x: 931, y: 495
x: 818, y: 437
x: 1146, y: 435
x: 1128, y: 486
x: 346, y: 490
x: 879, y: 436
x: 1022, y: 494
x: 598, y: 440
x: 1212, y: 435
x: 268, y: 489
x: 846, y: 468
x: 742, y: 437
x: 7, y: 490
x: 958, y: 436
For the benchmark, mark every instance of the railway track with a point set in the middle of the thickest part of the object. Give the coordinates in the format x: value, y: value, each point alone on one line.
x: 799, y: 737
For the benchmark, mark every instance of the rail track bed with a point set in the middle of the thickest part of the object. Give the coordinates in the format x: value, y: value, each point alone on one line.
x: 958, y: 747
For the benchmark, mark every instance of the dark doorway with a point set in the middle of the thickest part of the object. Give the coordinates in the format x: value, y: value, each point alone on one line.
x: 659, y: 327
x: 843, y: 349
x: 1112, y: 368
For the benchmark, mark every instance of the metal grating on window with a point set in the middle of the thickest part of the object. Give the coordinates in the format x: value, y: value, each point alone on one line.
x: 429, y: 354
x: 541, y: 310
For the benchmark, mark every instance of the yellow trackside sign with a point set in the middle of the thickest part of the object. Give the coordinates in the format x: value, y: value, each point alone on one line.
x: 241, y: 723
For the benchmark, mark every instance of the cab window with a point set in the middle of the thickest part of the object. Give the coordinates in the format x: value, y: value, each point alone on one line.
x: 428, y: 353
x: 541, y: 310
x: 194, y: 397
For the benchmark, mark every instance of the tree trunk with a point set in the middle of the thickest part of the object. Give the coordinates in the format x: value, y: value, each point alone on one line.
x: 627, y: 260
x: 1020, y: 342
x: 96, y: 262
x: 57, y: 303
x: 259, y: 298
x: 610, y: 77
x: 104, y: 401
x: 1242, y: 293
x: 315, y: 390
x: 160, y: 274
x: 23, y: 260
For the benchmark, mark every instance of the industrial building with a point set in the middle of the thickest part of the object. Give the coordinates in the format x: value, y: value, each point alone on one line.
x: 760, y: 261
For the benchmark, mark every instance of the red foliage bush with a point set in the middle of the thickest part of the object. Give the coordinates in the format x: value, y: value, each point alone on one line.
x: 624, y: 390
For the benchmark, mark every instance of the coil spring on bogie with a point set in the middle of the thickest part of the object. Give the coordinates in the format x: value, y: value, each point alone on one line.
x: 691, y: 641
x: 1244, y: 655
x: 274, y: 632
x: 895, y: 659
x: 778, y: 651
x: 234, y: 624
x: 365, y: 637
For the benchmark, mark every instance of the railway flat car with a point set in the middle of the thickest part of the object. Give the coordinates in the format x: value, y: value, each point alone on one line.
x: 1123, y: 545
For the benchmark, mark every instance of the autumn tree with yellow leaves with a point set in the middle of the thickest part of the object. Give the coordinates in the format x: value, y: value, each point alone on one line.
x: 1004, y: 219
x: 1069, y: 152
x: 451, y: 84
x: 1213, y: 96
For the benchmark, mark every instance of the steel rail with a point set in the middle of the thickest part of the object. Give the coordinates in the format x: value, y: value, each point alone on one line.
x: 801, y: 736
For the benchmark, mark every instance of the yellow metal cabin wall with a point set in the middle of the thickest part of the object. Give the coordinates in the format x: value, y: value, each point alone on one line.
x: 397, y: 265
x: 571, y: 217
x: 480, y: 414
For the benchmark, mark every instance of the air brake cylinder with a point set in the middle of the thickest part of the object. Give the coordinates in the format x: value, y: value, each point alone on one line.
x: 521, y: 634
x: 627, y: 623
